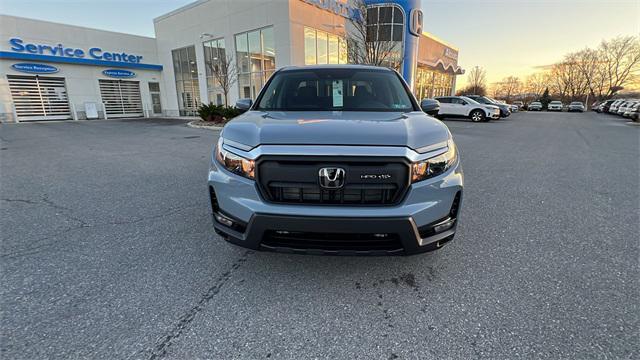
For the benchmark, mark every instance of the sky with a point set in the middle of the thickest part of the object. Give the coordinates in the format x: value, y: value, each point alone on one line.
x: 505, y: 37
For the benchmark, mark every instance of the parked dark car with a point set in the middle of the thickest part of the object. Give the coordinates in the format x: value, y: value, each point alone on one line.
x: 430, y: 106
x: 604, y: 107
x: 505, y: 110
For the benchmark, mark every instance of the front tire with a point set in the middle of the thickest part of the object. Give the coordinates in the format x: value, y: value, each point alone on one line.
x: 477, y: 116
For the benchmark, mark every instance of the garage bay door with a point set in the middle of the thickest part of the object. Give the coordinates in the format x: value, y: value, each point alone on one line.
x: 121, y: 98
x: 39, y: 97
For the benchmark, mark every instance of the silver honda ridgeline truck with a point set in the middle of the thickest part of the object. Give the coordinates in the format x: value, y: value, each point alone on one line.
x: 336, y: 160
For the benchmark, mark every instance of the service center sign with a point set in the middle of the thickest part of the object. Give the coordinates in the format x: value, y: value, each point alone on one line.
x: 97, y: 53
x: 34, y: 68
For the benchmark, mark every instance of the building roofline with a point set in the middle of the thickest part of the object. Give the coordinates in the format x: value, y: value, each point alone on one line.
x: 435, y: 38
x: 179, y: 10
x: 78, y: 26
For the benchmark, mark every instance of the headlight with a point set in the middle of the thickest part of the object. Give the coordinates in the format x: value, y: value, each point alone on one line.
x: 434, y: 166
x: 235, y: 163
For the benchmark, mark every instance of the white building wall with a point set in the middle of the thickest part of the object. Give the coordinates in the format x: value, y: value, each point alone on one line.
x: 81, y: 80
x: 222, y: 19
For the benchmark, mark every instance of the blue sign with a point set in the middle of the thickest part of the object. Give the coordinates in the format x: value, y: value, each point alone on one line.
x: 59, y: 50
x: 35, y: 68
x: 59, y: 53
x: 119, y: 73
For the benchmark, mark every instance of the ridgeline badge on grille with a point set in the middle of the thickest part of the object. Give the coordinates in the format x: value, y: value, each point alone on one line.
x: 375, y: 176
x: 331, y: 178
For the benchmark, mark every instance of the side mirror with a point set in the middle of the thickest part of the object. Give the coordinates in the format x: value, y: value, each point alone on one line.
x: 428, y: 104
x: 244, y: 104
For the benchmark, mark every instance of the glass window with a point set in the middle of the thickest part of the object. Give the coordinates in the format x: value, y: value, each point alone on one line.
x: 186, y: 77
x: 309, y: 46
x: 386, y: 14
x: 322, y: 47
x: 215, y: 58
x: 384, y: 33
x: 258, y: 62
x: 255, y: 51
x: 242, y: 53
x: 386, y: 23
x: 397, y: 33
x: 176, y: 65
x: 334, y: 49
x: 336, y: 90
x: 398, y: 18
x: 372, y: 15
x: 269, y: 51
x: 343, y: 56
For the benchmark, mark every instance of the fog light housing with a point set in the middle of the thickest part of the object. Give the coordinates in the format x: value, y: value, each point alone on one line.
x: 444, y: 225
x: 223, y: 220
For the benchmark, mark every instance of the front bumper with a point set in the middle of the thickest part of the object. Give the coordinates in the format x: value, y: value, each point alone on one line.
x: 424, y: 220
x: 347, y: 236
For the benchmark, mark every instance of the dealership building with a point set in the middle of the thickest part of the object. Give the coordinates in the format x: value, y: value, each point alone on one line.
x: 52, y: 71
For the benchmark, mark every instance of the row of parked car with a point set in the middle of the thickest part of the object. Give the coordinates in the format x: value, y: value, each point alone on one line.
x: 629, y: 108
x: 474, y: 107
x: 557, y: 106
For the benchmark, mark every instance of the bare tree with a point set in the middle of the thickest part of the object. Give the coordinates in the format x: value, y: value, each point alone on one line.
x: 569, y: 81
x: 476, y: 81
x: 590, y: 66
x: 225, y: 74
x: 367, y: 44
x: 508, y: 87
x: 620, y: 60
x: 536, y: 83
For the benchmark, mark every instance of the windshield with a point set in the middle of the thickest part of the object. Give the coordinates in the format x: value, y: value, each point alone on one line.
x: 555, y: 102
x: 483, y: 100
x: 336, y: 90
x: 576, y: 103
x: 469, y: 100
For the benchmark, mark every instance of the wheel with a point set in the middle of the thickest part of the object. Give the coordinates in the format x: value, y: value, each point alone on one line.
x: 477, y: 116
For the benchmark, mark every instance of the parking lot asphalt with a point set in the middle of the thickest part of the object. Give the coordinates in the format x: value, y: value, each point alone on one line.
x: 108, y: 252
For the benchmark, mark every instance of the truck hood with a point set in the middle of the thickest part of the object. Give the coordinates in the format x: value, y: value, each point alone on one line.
x: 413, y: 130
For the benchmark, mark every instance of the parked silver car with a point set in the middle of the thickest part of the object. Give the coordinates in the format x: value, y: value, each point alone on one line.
x: 555, y: 106
x: 613, y: 109
x: 535, y: 106
x: 624, y: 106
x: 631, y: 108
x: 576, y: 106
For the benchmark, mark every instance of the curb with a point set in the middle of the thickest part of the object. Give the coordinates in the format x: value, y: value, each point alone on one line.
x: 192, y: 124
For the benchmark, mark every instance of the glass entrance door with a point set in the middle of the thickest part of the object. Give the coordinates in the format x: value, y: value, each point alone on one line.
x: 156, y: 104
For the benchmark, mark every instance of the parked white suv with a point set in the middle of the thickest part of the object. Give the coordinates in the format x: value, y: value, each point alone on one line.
x: 555, y: 106
x: 464, y: 107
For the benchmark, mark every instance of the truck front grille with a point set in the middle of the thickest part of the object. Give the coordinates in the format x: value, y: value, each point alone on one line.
x: 295, y: 180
